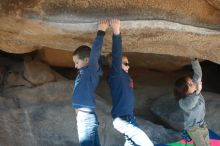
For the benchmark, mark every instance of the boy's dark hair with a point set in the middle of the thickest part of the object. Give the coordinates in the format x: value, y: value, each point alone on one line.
x: 181, y: 87
x: 82, y: 52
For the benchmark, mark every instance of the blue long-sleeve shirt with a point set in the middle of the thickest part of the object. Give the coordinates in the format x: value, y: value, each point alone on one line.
x: 194, y: 105
x: 120, y: 83
x: 88, y: 77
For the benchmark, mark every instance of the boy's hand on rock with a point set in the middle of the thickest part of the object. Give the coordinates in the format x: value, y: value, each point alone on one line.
x: 115, y: 24
x: 103, y: 25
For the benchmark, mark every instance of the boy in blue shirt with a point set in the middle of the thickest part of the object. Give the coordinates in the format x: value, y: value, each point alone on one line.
x: 121, y: 86
x: 87, y: 62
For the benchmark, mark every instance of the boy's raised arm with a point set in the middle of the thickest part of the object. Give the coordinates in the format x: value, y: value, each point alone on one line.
x: 197, y: 71
x: 116, y: 45
x: 97, y: 45
x: 197, y: 75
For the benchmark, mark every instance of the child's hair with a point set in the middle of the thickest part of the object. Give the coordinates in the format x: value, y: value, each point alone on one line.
x: 181, y: 87
x: 82, y: 52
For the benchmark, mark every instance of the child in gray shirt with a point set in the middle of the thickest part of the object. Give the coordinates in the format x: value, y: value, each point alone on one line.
x: 187, y: 91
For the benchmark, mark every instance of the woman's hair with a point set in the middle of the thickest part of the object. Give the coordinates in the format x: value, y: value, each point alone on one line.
x: 181, y: 87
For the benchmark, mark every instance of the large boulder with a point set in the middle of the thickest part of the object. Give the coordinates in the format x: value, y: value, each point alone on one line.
x: 214, y: 3
x: 38, y: 72
x: 45, y: 117
x: 180, y: 29
x: 15, y: 79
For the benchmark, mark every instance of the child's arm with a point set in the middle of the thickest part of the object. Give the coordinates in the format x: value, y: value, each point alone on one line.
x: 116, y: 46
x: 197, y: 74
x: 197, y: 71
x: 97, y: 45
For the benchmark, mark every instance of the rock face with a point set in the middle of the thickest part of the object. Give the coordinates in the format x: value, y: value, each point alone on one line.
x: 37, y: 72
x: 43, y: 116
x: 214, y: 3
x: 35, y: 103
x: 187, y: 28
x: 35, y: 111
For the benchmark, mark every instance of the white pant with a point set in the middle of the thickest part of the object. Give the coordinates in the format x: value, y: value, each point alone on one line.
x: 133, y: 134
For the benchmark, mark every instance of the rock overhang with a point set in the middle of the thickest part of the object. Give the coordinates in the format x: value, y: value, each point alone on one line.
x: 148, y: 27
